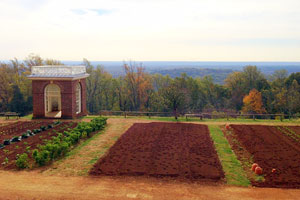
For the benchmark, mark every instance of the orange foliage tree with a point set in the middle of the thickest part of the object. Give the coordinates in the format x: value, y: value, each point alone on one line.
x: 253, y: 102
x: 139, y: 86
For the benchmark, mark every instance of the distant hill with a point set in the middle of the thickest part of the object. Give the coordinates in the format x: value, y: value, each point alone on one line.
x: 218, y: 75
x: 218, y: 70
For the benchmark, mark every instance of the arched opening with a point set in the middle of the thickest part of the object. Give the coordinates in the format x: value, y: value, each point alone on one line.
x: 52, y: 101
x: 78, y: 98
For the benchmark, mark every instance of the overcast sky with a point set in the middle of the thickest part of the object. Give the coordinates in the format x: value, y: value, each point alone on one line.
x: 183, y: 30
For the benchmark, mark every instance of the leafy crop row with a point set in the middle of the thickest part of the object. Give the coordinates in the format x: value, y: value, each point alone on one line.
x: 58, y: 146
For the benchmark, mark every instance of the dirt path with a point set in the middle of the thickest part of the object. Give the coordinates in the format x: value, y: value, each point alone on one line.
x: 23, y: 186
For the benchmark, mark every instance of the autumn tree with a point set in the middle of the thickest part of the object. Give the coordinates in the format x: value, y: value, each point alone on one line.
x: 139, y: 86
x: 235, y: 84
x: 174, y: 98
x: 253, y: 103
x: 99, y: 88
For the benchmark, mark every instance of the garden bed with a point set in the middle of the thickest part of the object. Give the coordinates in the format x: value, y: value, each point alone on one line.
x: 8, y: 154
x: 41, y: 145
x: 271, y: 149
x: 178, y: 150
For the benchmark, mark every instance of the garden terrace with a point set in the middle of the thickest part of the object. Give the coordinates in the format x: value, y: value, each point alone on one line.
x: 271, y: 148
x: 178, y: 150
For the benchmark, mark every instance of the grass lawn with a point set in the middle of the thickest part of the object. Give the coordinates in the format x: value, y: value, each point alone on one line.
x: 234, y: 173
x: 223, y: 120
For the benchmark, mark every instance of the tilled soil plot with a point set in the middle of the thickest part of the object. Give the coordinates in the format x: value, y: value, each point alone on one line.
x: 16, y: 129
x: 271, y: 149
x: 180, y: 150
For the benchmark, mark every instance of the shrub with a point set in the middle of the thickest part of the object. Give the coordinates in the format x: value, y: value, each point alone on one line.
x: 41, y: 157
x: 29, y: 132
x: 61, y: 144
x: 22, y: 161
x: 6, y: 142
x: 35, y: 131
x: 57, y: 123
x: 16, y: 139
x: 25, y: 135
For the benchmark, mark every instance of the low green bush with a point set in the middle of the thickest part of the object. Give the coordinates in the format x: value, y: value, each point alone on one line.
x: 22, y: 161
x: 58, y: 146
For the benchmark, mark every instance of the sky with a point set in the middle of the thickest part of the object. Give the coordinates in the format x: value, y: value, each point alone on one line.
x: 151, y: 30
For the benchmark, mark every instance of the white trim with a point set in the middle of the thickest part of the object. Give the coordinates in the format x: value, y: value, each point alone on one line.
x: 57, y: 78
x: 50, y: 97
x: 78, y: 98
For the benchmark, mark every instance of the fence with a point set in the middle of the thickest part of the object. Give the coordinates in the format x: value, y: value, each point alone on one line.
x: 201, y: 116
x: 136, y: 113
x: 231, y: 115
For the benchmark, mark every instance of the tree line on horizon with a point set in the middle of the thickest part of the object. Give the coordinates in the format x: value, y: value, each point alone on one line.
x: 247, y: 91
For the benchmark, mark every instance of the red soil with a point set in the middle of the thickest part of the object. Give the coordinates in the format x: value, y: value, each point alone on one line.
x: 296, y: 129
x: 17, y: 129
x: 271, y: 149
x: 11, y: 151
x: 180, y: 150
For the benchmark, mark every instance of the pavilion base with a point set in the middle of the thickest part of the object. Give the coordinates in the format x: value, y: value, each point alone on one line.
x: 56, y: 114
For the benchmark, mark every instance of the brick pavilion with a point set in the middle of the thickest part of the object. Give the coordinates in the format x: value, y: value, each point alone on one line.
x: 59, y: 91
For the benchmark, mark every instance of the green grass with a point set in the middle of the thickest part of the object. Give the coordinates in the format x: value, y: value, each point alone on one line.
x: 27, y: 116
x: 84, y: 143
x: 234, y: 173
x: 222, y: 120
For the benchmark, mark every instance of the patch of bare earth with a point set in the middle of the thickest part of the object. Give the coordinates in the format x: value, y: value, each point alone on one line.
x: 32, y: 185
x: 36, y: 185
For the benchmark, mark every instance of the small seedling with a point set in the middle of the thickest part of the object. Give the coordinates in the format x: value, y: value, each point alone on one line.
x: 5, y: 161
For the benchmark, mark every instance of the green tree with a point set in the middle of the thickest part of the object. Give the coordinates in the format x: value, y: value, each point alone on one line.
x: 291, y: 78
x: 293, y: 98
x: 174, y: 98
x: 18, y: 104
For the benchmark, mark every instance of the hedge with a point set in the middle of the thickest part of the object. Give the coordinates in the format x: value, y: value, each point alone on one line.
x: 58, y: 146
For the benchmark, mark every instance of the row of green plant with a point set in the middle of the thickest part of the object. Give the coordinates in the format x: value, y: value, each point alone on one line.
x: 59, y: 145
x: 289, y: 132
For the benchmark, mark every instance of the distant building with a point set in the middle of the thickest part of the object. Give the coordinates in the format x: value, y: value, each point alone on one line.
x: 58, y: 91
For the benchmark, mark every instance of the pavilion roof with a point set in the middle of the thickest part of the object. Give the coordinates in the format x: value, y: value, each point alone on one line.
x: 58, y: 72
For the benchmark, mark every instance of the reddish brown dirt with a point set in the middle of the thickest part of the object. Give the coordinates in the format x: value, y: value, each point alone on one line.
x: 271, y: 149
x: 11, y: 151
x: 296, y: 130
x: 180, y: 150
x: 18, y: 128
x: 292, y: 133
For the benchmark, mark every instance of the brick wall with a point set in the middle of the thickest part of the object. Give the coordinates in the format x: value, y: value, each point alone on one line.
x: 68, y: 97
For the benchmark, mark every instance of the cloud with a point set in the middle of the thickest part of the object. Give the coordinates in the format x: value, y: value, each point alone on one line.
x: 101, y: 11
x: 98, y: 12
x: 28, y: 4
x: 79, y: 11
